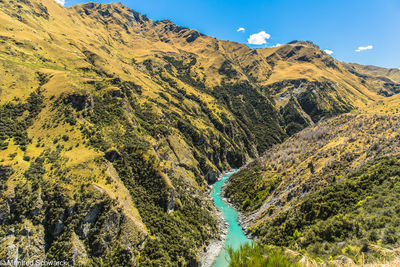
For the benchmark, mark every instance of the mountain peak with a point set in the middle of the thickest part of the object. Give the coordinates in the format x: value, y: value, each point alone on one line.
x: 111, y: 10
x: 306, y: 43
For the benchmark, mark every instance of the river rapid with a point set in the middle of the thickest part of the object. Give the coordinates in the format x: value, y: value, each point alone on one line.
x: 235, y: 235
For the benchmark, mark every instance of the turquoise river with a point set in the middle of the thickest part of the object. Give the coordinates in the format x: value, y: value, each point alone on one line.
x: 235, y: 235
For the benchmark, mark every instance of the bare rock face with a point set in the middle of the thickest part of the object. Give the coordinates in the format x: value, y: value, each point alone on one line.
x: 211, y: 177
x: 27, y: 244
x: 171, y: 200
x: 38, y: 206
x: 89, y: 219
x: 79, y: 102
x: 112, y: 155
x: 91, y: 216
x: 58, y: 228
x: 78, y: 251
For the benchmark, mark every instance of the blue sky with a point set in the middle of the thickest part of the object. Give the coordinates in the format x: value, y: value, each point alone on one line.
x: 341, y: 26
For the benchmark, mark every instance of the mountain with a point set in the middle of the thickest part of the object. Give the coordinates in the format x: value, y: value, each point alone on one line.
x: 330, y: 190
x: 387, y: 80
x: 112, y: 125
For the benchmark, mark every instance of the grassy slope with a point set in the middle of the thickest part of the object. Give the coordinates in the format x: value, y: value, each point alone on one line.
x: 110, y: 120
x: 386, y: 80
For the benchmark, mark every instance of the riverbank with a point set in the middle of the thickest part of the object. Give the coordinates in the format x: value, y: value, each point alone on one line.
x: 231, y: 234
x: 243, y: 221
x: 215, y: 246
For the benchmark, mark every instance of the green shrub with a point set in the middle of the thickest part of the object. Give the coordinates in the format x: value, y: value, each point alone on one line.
x: 252, y: 254
x: 15, y: 119
x: 362, y: 205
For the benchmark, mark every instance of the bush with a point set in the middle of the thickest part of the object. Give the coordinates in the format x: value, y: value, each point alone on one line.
x: 15, y: 119
x: 361, y: 205
x: 252, y: 254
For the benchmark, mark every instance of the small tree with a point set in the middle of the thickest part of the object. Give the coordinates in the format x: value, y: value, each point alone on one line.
x: 311, y: 167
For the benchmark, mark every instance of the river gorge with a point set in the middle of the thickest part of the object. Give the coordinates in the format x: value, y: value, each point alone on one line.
x: 234, y: 235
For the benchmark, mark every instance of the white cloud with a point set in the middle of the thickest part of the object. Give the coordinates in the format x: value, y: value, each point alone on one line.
x: 362, y: 48
x: 259, y: 38
x: 241, y: 29
x: 329, y: 52
x: 278, y: 44
x: 61, y: 2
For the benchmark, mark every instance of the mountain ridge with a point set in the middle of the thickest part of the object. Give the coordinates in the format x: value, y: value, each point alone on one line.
x: 113, y: 125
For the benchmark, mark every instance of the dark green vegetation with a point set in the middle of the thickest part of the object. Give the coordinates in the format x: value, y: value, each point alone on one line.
x: 254, y: 112
x: 40, y: 213
x: 112, y: 126
x: 348, y: 217
x: 177, y: 235
x: 252, y: 254
x: 15, y: 118
x: 251, y: 190
x: 329, y: 192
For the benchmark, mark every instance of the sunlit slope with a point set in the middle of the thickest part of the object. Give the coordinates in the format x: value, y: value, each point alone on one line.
x: 321, y: 191
x: 98, y: 133
x: 111, y: 126
x: 386, y: 81
x: 299, y: 64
